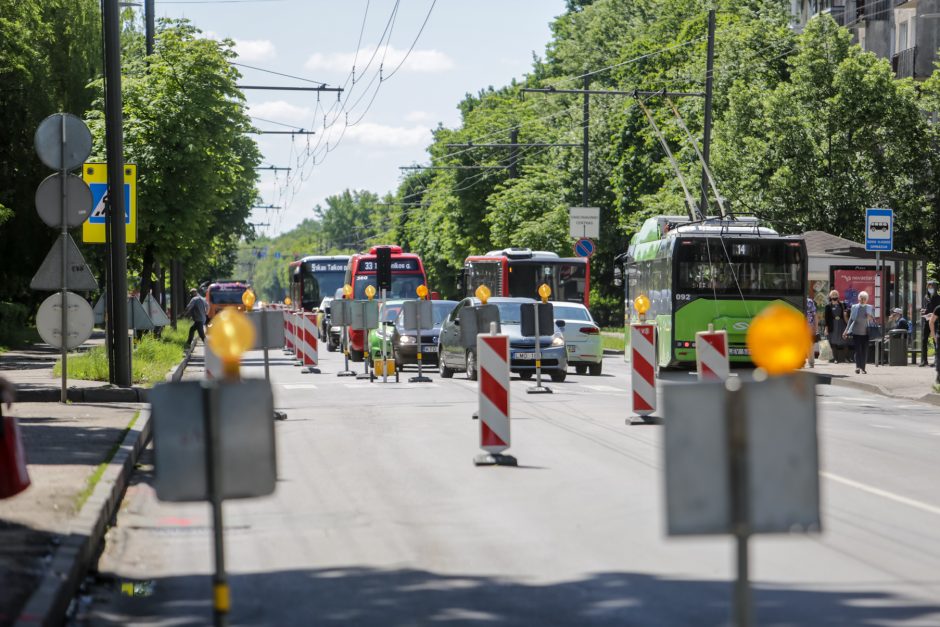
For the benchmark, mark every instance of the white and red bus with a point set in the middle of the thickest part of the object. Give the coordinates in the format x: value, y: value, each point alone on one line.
x: 316, y: 277
x: 520, y: 271
x: 407, y: 274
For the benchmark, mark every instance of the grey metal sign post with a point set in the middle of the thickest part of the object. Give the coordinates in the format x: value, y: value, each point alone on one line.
x: 63, y: 142
x: 340, y: 315
x: 414, y: 311
x: 533, y: 316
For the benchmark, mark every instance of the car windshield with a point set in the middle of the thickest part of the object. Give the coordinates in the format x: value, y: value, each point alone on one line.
x: 510, y: 313
x: 441, y: 311
x: 567, y: 312
x: 390, y: 313
x: 227, y: 296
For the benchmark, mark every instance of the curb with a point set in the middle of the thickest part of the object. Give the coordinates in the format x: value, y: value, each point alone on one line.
x: 612, y: 351
x: 72, y: 559
x: 177, y: 373
x: 931, y: 397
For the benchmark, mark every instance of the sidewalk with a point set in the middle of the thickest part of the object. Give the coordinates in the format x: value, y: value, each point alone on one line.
x: 907, y: 382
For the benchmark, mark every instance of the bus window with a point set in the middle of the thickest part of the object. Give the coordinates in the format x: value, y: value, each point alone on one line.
x: 403, y: 285
x: 488, y: 273
x: 571, y: 282
x: 752, y: 267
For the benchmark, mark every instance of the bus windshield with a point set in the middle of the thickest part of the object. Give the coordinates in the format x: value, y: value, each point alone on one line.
x: 403, y: 285
x: 567, y: 279
x: 732, y: 267
x: 317, y: 285
x: 229, y: 296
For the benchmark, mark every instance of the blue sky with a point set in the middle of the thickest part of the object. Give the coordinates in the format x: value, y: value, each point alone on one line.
x: 466, y: 45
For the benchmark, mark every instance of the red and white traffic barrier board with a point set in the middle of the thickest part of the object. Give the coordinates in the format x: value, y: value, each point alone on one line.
x: 493, y: 371
x: 297, y: 319
x: 711, y: 355
x: 288, y: 332
x: 643, y: 360
x: 212, y: 364
x: 309, y: 345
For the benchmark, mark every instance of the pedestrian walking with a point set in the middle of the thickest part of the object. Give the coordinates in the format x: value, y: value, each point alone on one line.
x: 198, y: 310
x: 835, y: 317
x: 935, y: 332
x: 861, y: 319
x: 813, y: 330
x: 931, y: 302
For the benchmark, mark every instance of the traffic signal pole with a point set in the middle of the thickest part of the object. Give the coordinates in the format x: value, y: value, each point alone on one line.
x: 114, y: 130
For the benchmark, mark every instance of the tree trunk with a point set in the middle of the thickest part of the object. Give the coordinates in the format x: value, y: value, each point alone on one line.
x: 146, y: 273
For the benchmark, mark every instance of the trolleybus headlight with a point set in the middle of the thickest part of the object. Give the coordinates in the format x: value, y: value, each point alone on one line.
x: 408, y: 339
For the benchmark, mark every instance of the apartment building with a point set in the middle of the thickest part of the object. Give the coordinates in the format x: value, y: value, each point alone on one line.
x: 905, y: 31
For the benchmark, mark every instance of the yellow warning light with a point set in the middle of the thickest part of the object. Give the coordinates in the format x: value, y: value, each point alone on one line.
x: 230, y: 335
x: 779, y: 339
x: 248, y: 298
x: 545, y: 291
x: 483, y: 293
x: 422, y: 291
x: 347, y: 290
x: 641, y: 303
x: 370, y: 291
x: 288, y: 301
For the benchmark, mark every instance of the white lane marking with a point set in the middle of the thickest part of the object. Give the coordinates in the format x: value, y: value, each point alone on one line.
x: 882, y: 427
x: 891, y: 496
x: 298, y: 386
x: 604, y: 388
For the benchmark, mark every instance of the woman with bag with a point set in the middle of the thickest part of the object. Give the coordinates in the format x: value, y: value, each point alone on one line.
x: 860, y: 321
x: 835, y: 316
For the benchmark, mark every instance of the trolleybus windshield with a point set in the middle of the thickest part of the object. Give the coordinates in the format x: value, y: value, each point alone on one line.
x: 725, y: 266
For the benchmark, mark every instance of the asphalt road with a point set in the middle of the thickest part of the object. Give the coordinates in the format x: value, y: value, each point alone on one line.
x: 380, y: 518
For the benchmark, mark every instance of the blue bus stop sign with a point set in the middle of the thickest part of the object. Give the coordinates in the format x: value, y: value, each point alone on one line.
x: 879, y: 229
x: 584, y: 247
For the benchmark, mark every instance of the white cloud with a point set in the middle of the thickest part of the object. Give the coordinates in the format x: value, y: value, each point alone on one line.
x: 283, y: 112
x: 418, y: 116
x: 247, y: 49
x: 417, y: 61
x: 255, y: 49
x: 371, y: 134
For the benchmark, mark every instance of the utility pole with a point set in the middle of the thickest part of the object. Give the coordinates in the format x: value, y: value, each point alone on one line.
x: 514, y: 153
x: 114, y: 130
x: 584, y: 149
x: 709, y: 82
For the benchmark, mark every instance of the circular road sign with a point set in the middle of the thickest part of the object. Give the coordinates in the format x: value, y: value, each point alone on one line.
x: 80, y: 320
x: 584, y: 247
x: 62, y: 141
x: 78, y: 200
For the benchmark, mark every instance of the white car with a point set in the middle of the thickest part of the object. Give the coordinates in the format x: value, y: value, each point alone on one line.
x: 582, y: 338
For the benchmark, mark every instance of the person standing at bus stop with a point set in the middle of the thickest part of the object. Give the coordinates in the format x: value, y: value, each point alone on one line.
x: 935, y: 332
x: 931, y: 302
x: 860, y: 319
x: 813, y: 330
x: 835, y: 316
x: 197, y: 309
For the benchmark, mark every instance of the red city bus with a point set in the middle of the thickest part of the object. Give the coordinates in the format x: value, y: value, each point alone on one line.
x: 520, y: 271
x: 407, y: 274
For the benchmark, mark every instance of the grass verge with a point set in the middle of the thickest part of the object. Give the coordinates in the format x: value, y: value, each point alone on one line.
x: 95, y: 477
x: 613, y: 342
x: 152, y: 359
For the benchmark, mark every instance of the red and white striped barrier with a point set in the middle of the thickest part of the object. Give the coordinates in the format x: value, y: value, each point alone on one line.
x: 711, y: 355
x: 643, y: 360
x: 288, y: 332
x: 297, y: 320
x: 212, y: 363
x: 493, y: 369
x: 309, y: 345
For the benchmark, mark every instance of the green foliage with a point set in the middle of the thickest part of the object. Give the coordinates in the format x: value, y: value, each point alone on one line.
x: 14, y: 329
x: 152, y: 359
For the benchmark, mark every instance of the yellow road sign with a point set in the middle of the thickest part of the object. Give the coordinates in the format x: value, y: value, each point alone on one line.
x: 96, y: 175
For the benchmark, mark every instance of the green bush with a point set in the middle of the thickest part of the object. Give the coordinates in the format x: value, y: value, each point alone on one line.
x: 14, y: 324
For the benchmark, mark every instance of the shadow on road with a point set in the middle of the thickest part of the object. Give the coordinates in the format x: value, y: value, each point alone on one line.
x: 363, y: 596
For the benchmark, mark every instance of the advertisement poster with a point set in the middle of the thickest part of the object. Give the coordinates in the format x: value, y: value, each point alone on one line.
x: 850, y: 280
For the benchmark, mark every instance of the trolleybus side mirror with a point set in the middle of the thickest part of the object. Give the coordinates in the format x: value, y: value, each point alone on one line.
x: 618, y: 276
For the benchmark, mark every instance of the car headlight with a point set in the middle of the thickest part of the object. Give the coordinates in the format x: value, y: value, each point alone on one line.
x: 558, y: 340
x: 407, y: 339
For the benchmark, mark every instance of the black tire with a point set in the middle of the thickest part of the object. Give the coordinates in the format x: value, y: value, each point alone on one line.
x: 355, y: 355
x: 595, y: 369
x: 446, y: 373
x: 559, y: 376
x: 526, y: 375
x: 580, y: 369
x: 471, y: 365
x: 331, y: 347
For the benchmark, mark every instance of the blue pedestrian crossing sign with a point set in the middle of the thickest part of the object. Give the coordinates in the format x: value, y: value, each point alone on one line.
x: 584, y: 247
x: 96, y: 175
x: 879, y: 229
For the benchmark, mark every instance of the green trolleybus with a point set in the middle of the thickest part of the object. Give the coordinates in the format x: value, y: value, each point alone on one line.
x: 716, y: 271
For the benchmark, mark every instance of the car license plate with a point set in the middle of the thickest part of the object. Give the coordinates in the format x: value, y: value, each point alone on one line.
x: 571, y: 348
x: 429, y: 349
x: 524, y: 356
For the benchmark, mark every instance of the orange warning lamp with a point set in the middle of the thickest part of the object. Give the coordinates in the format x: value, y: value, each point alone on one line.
x: 248, y: 299
x: 347, y: 290
x: 483, y: 293
x: 779, y: 339
x: 287, y: 301
x: 422, y: 291
x: 642, y: 304
x: 230, y: 335
x: 370, y: 291
x: 545, y: 291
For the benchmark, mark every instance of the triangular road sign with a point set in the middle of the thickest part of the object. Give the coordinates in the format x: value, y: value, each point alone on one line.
x: 155, y: 311
x: 49, y: 275
x: 137, y: 317
x: 99, y: 307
